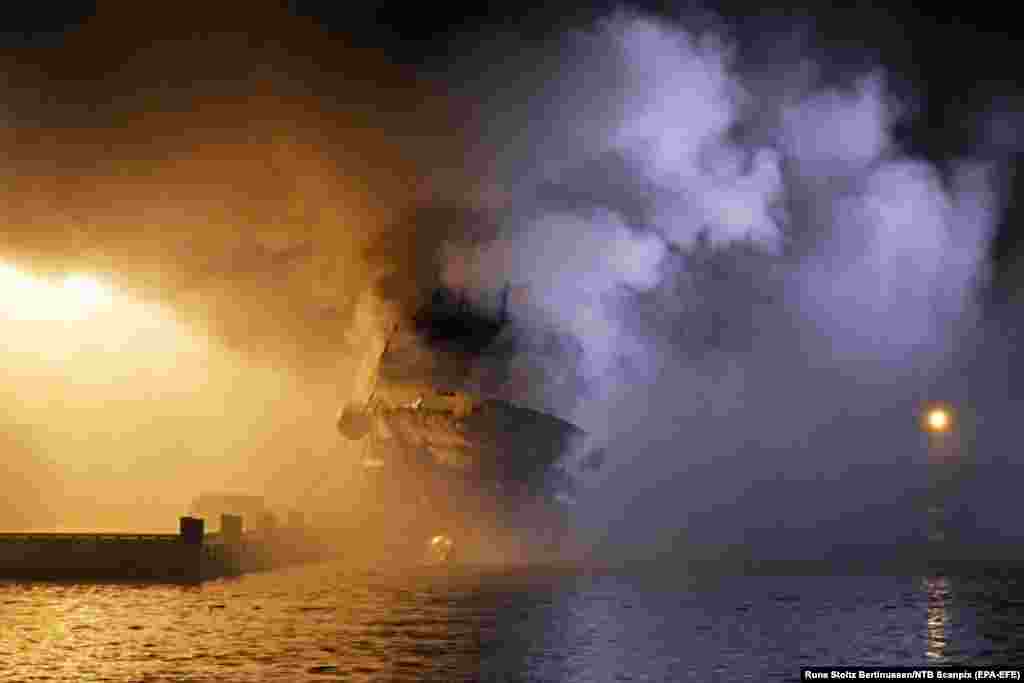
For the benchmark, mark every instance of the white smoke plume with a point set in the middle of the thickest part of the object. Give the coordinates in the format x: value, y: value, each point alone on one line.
x: 744, y: 266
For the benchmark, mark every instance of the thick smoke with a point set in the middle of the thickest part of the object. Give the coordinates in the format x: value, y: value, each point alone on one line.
x: 242, y: 175
x: 205, y: 162
x: 758, y: 284
x: 764, y: 285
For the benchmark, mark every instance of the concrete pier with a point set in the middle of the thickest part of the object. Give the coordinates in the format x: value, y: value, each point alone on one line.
x: 189, y: 556
x: 142, y: 557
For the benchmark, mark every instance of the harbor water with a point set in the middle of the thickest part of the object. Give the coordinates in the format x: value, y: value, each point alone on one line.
x: 331, y: 622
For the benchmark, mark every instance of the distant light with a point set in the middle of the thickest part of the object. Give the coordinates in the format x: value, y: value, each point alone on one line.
x: 938, y: 420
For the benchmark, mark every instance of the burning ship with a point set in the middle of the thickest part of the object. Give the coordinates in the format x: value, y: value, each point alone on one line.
x: 455, y: 462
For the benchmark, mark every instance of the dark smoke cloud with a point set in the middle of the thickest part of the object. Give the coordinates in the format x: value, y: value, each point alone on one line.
x: 239, y: 168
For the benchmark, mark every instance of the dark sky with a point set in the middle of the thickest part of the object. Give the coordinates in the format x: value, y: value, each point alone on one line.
x: 958, y: 67
x: 955, y: 64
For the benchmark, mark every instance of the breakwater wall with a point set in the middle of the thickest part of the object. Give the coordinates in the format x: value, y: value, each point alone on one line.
x: 186, y: 557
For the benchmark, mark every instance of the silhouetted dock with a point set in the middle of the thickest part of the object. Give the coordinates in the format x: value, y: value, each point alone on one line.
x: 189, y: 556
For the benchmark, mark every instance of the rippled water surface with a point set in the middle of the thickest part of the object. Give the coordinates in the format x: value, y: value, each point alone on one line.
x: 325, y: 622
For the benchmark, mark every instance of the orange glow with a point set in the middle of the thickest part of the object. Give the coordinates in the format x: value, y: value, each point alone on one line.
x: 87, y: 292
x: 26, y: 297
x: 938, y: 420
x: 441, y: 548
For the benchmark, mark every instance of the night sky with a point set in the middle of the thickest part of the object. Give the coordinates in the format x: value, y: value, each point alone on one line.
x: 957, y: 68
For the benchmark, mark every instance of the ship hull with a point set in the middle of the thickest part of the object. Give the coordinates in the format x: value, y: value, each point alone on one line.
x: 489, y: 479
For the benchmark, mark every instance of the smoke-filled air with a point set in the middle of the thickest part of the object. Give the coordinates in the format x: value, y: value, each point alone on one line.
x: 191, y: 218
x: 207, y: 234
x: 764, y: 287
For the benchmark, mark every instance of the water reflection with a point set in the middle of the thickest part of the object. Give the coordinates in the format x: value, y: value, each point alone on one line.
x: 938, y: 594
x: 325, y: 622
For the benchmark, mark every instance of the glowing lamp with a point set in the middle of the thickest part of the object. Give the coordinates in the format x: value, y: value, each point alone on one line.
x: 354, y: 422
x: 938, y: 420
x: 441, y: 548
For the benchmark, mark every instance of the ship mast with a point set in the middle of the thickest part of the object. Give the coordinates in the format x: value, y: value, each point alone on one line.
x: 374, y: 324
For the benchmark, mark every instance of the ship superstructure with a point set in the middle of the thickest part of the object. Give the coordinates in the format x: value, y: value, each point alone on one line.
x: 447, y: 452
